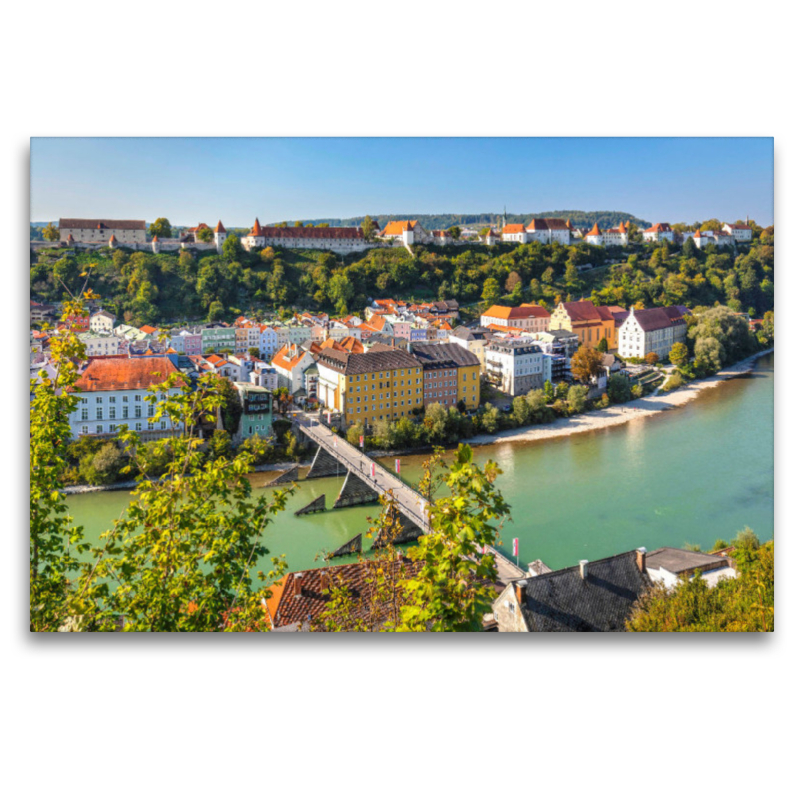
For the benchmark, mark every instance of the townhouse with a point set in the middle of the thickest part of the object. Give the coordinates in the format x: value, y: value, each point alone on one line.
x: 102, y: 321
x: 651, y: 330
x: 102, y: 344
x: 659, y: 232
x: 188, y: 341
x: 590, y: 322
x: 111, y: 392
x: 290, y: 363
x: 256, y: 419
x: 515, y: 366
x: 527, y: 317
x: 405, y: 231
x: 450, y: 374
x: 216, y: 337
x: 384, y: 383
x: 472, y: 339
x: 739, y: 232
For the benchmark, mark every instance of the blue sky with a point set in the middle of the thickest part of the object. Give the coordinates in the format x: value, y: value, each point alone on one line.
x: 203, y: 179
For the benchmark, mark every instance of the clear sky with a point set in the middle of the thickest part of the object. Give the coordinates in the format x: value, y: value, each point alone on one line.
x: 203, y: 179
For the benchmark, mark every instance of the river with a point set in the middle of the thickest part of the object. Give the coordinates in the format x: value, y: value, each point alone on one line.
x: 694, y: 474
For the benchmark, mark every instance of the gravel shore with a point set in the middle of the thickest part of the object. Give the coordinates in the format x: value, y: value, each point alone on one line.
x: 619, y: 415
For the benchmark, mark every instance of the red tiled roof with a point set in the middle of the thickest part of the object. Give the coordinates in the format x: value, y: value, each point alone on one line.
x: 660, y: 227
x: 125, y: 373
x: 116, y: 224
x: 397, y: 227
x: 288, y: 357
x: 587, y: 311
x: 595, y: 231
x: 525, y: 311
x: 514, y: 228
x: 220, y: 228
x: 308, y: 233
x: 300, y: 597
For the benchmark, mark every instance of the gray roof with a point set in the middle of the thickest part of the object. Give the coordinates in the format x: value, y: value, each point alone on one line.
x: 678, y: 561
x: 379, y: 358
x: 118, y: 224
x: 471, y: 334
x: 653, y: 319
x: 563, y: 601
x: 436, y: 356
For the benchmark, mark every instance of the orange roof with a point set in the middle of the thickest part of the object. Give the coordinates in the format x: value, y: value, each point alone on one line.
x: 148, y: 329
x: 525, y: 311
x: 397, y: 227
x: 108, y: 375
x: 113, y: 238
x: 504, y: 328
x: 595, y: 231
x: 220, y: 228
x: 284, y: 358
x: 514, y: 228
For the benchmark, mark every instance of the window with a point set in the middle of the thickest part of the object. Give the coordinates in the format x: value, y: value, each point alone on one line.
x: 99, y: 400
x: 99, y: 414
x: 112, y: 399
x: 84, y: 413
x: 99, y: 428
x: 84, y: 429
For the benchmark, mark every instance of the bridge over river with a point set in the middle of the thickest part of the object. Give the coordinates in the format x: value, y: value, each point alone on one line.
x: 365, y: 480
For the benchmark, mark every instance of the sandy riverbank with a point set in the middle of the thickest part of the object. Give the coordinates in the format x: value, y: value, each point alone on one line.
x: 619, y: 415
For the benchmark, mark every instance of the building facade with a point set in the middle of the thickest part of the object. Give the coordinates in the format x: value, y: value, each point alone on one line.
x: 256, y: 419
x: 450, y: 374
x: 528, y: 317
x: 515, y: 366
x: 340, y: 240
x: 590, y: 322
x: 383, y: 384
x: 652, y: 330
x: 100, y: 231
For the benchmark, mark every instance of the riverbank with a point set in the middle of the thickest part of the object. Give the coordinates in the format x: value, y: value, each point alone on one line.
x: 621, y: 414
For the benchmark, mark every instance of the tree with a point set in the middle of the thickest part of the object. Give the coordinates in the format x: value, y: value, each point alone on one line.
x: 679, y: 354
x: 455, y: 232
x: 520, y: 410
x: 50, y: 233
x: 230, y: 405
x: 161, y: 228
x: 586, y: 364
x: 232, y: 248
x: 283, y: 399
x: 743, y: 603
x: 254, y: 352
x: 368, y: 228
x: 651, y: 358
x: 549, y: 393
x: 298, y: 224
x: 491, y: 291
x: 205, y: 235
x: 721, y: 337
x: 55, y: 543
x: 512, y: 281
x: 216, y: 311
x: 577, y: 399
x: 103, y: 468
x: 602, y: 345
x: 454, y: 585
x: 182, y: 556
x: 619, y: 389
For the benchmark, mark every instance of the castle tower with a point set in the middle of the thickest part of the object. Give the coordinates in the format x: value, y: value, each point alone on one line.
x: 220, y: 235
x: 112, y: 242
x: 156, y: 245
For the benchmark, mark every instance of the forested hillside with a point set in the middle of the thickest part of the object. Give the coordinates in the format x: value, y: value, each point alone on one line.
x: 145, y: 288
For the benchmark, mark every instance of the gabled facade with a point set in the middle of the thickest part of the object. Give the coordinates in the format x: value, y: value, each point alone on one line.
x: 651, y: 330
x: 527, y: 317
x: 340, y: 240
x: 101, y: 231
x: 659, y: 232
x: 548, y: 230
x: 591, y: 323
x: 740, y: 233
x: 449, y: 374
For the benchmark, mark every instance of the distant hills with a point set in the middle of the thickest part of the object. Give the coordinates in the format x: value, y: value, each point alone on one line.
x: 580, y: 219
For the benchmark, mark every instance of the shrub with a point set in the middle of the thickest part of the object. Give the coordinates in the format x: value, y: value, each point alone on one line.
x: 354, y: 434
x: 619, y: 390
x: 636, y: 391
x: 675, y: 381
x: 104, y: 467
x: 263, y: 451
x: 651, y: 359
x: 281, y: 428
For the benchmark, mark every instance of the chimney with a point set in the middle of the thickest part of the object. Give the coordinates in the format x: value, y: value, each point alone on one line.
x: 519, y: 590
x: 583, y: 565
x: 640, y: 559
x: 298, y: 584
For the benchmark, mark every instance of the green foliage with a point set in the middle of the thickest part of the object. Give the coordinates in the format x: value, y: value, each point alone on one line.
x: 219, y: 446
x: 675, y: 381
x: 161, y: 228
x: 577, y: 399
x: 744, y: 603
x: 354, y: 434
x: 636, y: 391
x: 619, y: 389
x: 602, y: 345
x: 104, y: 467
x: 231, y: 406
x: 679, y: 354
x: 651, y: 358
x: 454, y: 586
x: 721, y: 337
x: 205, y: 235
x: 50, y: 233
x: 586, y: 364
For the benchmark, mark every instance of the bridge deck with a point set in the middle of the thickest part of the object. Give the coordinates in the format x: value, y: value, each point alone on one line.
x: 410, y: 503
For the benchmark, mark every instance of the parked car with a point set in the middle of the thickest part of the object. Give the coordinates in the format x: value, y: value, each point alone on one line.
x: 506, y: 407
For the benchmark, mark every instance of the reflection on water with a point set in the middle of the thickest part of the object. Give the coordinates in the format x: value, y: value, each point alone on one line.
x: 694, y: 474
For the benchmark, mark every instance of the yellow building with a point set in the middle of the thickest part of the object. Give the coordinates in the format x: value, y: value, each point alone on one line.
x: 590, y: 322
x: 450, y: 374
x: 384, y: 383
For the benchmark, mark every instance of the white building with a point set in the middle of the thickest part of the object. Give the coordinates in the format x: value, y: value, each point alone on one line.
x: 548, y: 230
x: 651, y: 330
x: 515, y: 366
x: 667, y: 564
x: 407, y: 231
x: 527, y: 317
x: 740, y: 233
x: 290, y: 362
x: 102, y: 321
x: 339, y: 240
x: 100, y: 231
x: 111, y: 393
x: 659, y: 232
x: 515, y: 233
x: 705, y: 238
x: 101, y: 344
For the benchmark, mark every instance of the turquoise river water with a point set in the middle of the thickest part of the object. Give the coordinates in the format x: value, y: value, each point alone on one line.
x: 693, y: 474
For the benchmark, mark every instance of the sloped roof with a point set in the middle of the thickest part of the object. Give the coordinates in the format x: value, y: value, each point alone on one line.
x: 118, y: 224
x: 659, y: 227
x: 308, y: 233
x: 525, y: 311
x: 595, y: 231
x: 679, y: 561
x: 444, y: 356
x: 300, y: 597
x: 602, y: 601
x: 653, y: 319
x: 108, y: 375
x: 587, y: 311
x: 514, y: 228
x: 380, y: 357
x: 220, y: 228
x: 288, y: 357
x: 397, y: 227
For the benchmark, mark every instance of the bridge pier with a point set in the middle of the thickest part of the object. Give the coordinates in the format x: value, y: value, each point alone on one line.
x: 325, y: 465
x: 317, y: 504
x: 354, y: 492
x: 289, y: 476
